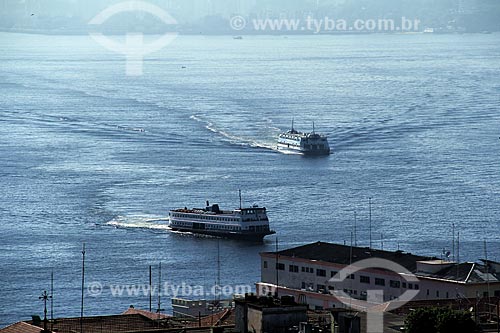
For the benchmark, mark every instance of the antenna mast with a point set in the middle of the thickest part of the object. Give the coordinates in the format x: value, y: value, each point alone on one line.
x: 370, y: 219
x: 159, y: 291
x: 355, y: 228
x: 277, y: 271
x: 83, y: 286
x: 217, y: 294
x: 45, y: 297
x: 453, y: 241
x: 52, y: 297
x: 150, y: 289
x: 239, y: 192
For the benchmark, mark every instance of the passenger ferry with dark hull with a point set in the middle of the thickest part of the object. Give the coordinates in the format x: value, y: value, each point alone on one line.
x: 303, y: 143
x: 251, y: 224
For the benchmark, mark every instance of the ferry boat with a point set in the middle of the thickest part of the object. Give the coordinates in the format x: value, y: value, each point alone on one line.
x: 244, y: 223
x: 304, y: 143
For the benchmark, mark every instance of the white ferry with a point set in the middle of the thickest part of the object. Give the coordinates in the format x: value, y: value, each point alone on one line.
x: 244, y: 223
x: 304, y: 143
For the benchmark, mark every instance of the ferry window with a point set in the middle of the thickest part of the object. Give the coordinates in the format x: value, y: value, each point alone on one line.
x: 364, y: 279
x: 351, y: 277
x: 410, y: 285
x: 293, y: 268
x: 417, y: 287
x: 320, y: 272
x: 379, y: 282
x: 394, y: 284
x: 280, y: 266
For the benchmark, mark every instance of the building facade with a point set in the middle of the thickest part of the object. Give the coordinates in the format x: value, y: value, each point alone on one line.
x: 307, y: 273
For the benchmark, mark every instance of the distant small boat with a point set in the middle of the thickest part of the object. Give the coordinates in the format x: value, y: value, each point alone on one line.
x: 429, y: 31
x: 238, y: 37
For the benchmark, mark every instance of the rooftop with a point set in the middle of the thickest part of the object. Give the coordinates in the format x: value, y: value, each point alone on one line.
x: 467, y: 272
x: 341, y: 254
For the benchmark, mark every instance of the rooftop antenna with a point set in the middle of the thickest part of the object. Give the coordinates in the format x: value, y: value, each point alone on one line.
x: 487, y: 272
x: 159, y: 310
x: 150, y: 289
x: 239, y: 192
x: 45, y: 297
x: 453, y: 241
x: 277, y: 271
x: 355, y: 231
x: 217, y: 293
x: 313, y: 128
x: 370, y: 219
x: 382, y: 241
x: 52, y: 298
x: 83, y: 287
x: 458, y: 253
x: 293, y: 129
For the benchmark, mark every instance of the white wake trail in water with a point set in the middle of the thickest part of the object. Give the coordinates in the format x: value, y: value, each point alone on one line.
x: 231, y: 138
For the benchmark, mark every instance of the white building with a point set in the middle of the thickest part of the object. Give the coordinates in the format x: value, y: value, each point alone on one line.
x: 306, y: 272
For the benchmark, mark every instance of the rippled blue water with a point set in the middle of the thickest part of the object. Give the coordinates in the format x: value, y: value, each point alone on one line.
x: 90, y: 155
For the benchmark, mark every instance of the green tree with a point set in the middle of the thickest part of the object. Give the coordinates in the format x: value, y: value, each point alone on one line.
x: 440, y: 320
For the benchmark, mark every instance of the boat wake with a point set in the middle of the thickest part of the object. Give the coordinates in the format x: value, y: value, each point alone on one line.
x: 149, y: 222
x: 231, y: 138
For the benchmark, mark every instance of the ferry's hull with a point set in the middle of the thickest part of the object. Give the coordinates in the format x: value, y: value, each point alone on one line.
x: 244, y: 236
x: 298, y: 150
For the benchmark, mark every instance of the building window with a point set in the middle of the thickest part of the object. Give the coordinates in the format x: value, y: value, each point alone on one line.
x: 303, y: 285
x: 280, y: 266
x: 404, y: 284
x: 428, y: 292
x: 307, y: 269
x: 417, y: 287
x: 293, y: 268
x: 265, y: 264
x: 320, y: 288
x: 379, y: 282
x: 497, y: 293
x: 320, y: 272
x: 364, y: 279
x: 351, y: 276
x: 410, y: 285
x: 437, y: 293
x: 395, y: 284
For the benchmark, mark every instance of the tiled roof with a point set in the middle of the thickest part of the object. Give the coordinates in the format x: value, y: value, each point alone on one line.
x: 340, y: 254
x: 147, y: 314
x: 21, y: 327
